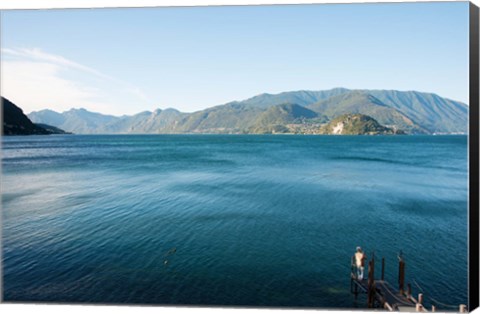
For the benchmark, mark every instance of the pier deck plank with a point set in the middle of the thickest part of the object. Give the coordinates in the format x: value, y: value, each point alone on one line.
x: 385, y: 293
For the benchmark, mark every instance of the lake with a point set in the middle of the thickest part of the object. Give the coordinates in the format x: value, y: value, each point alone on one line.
x: 241, y: 220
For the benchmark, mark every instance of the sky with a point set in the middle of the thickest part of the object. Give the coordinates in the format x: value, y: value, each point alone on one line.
x: 125, y: 61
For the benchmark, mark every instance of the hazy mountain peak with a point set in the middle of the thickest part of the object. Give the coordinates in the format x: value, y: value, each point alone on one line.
x: 171, y: 110
x: 77, y: 110
x: 46, y: 111
x: 143, y: 113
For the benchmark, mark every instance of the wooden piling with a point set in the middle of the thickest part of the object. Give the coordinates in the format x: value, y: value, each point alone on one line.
x: 401, y: 276
x: 409, y: 290
x: 371, y: 283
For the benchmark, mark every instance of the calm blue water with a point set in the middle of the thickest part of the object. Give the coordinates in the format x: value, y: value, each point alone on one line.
x: 230, y: 220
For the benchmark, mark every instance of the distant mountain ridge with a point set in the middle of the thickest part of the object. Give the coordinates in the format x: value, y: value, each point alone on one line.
x: 287, y: 112
x: 361, y: 102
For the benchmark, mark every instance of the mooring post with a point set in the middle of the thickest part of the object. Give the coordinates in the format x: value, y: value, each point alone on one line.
x: 369, y: 304
x: 420, y: 298
x: 383, y: 268
x: 409, y: 290
x: 401, y: 274
x: 433, y: 308
x: 419, y: 307
x: 373, y: 268
x: 371, y: 283
x: 463, y: 308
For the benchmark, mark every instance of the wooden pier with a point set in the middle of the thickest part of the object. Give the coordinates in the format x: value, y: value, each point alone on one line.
x: 381, y: 294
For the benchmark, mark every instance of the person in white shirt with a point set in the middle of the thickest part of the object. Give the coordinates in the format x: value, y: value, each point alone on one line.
x: 360, y: 258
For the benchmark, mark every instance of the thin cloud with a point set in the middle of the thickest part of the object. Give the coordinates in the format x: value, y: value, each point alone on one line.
x: 37, y: 85
x: 35, y: 79
x: 36, y: 54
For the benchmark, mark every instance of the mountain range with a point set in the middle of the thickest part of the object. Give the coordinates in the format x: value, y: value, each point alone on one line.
x: 289, y: 112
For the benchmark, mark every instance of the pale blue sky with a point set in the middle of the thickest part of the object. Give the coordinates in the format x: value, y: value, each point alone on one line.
x: 129, y: 60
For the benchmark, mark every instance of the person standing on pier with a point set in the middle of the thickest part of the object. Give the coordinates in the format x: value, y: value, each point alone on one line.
x: 360, y: 258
